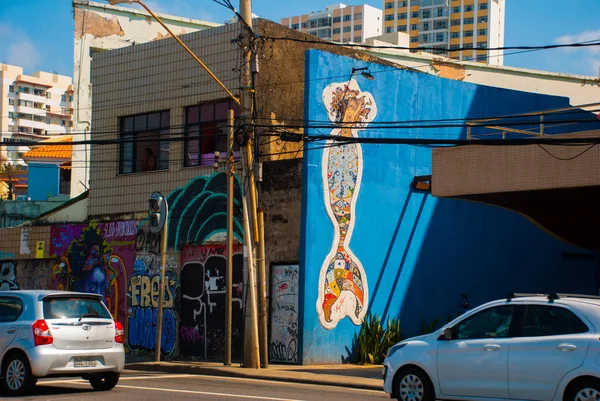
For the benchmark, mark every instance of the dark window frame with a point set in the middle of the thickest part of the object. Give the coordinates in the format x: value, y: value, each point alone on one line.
x: 512, y: 329
x: 212, y: 124
x: 131, y: 127
x: 523, y: 316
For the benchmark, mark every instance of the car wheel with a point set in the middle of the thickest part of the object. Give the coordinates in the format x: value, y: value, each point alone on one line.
x: 104, y: 381
x: 17, y: 377
x: 584, y: 390
x: 414, y: 385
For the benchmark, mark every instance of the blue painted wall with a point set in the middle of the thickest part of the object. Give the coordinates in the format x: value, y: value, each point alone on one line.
x: 420, y: 253
x: 43, y: 181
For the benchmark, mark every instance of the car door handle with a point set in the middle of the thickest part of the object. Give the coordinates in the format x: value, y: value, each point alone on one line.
x: 11, y: 331
x: 567, y: 347
x: 491, y: 347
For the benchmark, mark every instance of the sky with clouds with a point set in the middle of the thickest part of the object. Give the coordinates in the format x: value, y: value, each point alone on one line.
x: 38, y: 34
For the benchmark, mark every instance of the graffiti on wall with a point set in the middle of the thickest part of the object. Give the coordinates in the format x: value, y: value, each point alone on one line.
x: 202, y: 313
x: 198, y: 212
x: 343, y: 288
x: 95, y: 259
x: 8, y: 276
x: 283, y: 346
x: 143, y: 292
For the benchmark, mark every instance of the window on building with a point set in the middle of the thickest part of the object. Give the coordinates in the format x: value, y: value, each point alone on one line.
x: 296, y: 26
x: 481, y: 57
x: 454, y: 47
x: 48, y: 108
x: 483, y: 6
x: 468, y: 45
x: 389, y: 5
x: 455, y: 35
x: 440, y: 11
x: 469, y: 8
x: 481, y: 45
x: 62, y: 122
x: 347, y: 29
x: 401, y: 28
x: 467, y: 34
x: 303, y: 25
x: 414, y: 39
x: 440, y: 37
x: 206, y: 132
x: 357, y: 39
x: 455, y: 22
x: 337, y: 19
x: 402, y: 3
x: 336, y: 31
x: 63, y: 98
x: 389, y: 29
x: 346, y: 40
x: 426, y: 13
x: 456, y: 9
x: 11, y: 101
x: 425, y: 38
x: 390, y: 17
x: 357, y: 16
x: 358, y: 27
x: 468, y: 21
x: 48, y: 120
x: 440, y: 24
x: 24, y: 89
x: 152, y: 153
x: 48, y: 95
x: 415, y: 27
x: 324, y: 33
x: 482, y: 19
x: 482, y: 32
x: 400, y: 16
x: 11, y: 88
x: 414, y: 3
x: 425, y: 26
x: 414, y: 14
x: 347, y: 17
x: 11, y: 115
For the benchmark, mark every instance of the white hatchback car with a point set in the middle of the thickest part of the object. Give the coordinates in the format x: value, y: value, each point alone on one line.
x: 525, y: 347
x: 55, y: 333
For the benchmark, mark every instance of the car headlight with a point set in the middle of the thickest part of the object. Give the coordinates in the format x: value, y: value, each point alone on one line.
x: 395, y: 348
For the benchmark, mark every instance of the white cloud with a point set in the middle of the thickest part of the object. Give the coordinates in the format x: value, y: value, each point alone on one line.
x: 584, y: 60
x: 18, y: 48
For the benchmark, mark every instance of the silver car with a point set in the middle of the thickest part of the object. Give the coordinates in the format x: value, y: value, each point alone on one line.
x: 57, y: 333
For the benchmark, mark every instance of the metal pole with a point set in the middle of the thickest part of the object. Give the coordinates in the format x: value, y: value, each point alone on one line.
x: 262, y: 291
x: 161, y: 292
x: 230, y: 196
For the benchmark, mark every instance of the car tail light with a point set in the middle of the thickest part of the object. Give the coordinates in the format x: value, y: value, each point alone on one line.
x: 41, y: 333
x: 119, y: 333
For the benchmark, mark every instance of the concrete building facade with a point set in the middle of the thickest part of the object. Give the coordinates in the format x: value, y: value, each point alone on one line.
x: 339, y: 23
x: 100, y: 27
x: 472, y: 25
x: 32, y: 108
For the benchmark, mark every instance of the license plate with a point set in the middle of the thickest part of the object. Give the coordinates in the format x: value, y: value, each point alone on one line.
x: 84, y: 363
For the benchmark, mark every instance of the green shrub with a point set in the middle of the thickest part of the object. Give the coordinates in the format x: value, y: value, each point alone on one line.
x: 373, y: 340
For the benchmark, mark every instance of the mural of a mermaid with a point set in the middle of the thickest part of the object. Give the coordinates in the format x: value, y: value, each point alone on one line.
x: 343, y: 287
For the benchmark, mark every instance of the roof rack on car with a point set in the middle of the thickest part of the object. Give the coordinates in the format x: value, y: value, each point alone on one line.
x: 551, y: 296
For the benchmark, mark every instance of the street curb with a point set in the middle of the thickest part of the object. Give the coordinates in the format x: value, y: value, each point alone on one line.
x: 265, y: 374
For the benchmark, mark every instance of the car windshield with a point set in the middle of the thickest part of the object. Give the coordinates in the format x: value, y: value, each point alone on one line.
x: 74, y: 308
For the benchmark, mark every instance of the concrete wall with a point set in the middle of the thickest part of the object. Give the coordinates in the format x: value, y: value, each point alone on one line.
x: 373, y: 245
x: 43, y: 181
x: 99, y: 27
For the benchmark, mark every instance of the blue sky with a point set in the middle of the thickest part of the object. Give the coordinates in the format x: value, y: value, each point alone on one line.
x: 38, y: 34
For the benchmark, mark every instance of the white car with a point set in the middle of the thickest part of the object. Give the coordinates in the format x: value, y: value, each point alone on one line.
x: 525, y: 347
x: 56, y: 333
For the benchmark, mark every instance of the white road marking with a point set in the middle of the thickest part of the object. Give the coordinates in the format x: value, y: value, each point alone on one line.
x: 252, y: 397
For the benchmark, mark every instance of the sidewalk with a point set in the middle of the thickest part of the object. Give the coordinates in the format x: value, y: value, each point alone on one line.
x: 349, y: 376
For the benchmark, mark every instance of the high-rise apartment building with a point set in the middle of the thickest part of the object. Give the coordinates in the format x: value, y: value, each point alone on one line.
x: 33, y: 107
x: 339, y: 23
x: 473, y: 25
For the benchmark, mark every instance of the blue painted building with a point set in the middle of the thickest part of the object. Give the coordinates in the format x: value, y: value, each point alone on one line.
x: 372, y: 244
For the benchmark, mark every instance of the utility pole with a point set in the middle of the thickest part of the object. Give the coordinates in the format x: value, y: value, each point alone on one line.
x: 229, y: 275
x: 251, y: 347
x: 262, y: 294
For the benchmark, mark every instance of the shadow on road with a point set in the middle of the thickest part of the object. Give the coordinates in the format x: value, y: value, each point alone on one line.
x: 42, y: 390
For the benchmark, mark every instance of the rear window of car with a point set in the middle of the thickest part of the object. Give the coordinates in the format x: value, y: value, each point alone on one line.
x: 10, y: 309
x: 74, y: 308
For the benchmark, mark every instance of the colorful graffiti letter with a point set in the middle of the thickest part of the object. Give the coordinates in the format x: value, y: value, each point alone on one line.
x: 343, y: 289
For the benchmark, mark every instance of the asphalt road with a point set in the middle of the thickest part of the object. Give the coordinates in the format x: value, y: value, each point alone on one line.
x: 149, y: 386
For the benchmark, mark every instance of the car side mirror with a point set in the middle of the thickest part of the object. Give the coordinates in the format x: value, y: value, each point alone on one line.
x: 448, y: 333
